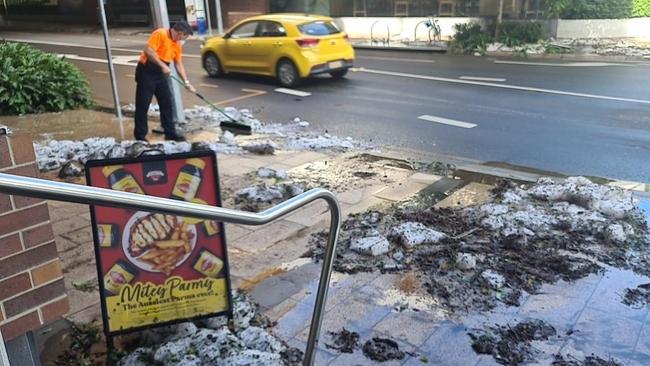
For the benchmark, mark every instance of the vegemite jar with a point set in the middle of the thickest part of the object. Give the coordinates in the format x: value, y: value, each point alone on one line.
x: 118, y: 276
x: 121, y: 180
x: 211, y: 227
x: 188, y: 180
x: 107, y: 235
x: 208, y: 264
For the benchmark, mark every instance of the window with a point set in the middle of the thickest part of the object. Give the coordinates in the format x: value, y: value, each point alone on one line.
x: 446, y: 8
x: 270, y: 29
x: 319, y: 28
x: 246, y: 30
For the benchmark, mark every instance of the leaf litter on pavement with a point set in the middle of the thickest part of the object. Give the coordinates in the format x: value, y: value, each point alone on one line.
x: 466, y: 259
x: 473, y: 258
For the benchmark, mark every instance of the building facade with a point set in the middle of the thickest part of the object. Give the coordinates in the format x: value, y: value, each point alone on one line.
x: 138, y: 12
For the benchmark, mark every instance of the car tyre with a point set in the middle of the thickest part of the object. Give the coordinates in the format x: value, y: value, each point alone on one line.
x: 338, y: 74
x: 287, y: 73
x: 212, y: 65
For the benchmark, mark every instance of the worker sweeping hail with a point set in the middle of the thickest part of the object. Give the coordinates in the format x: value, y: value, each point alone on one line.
x: 151, y: 76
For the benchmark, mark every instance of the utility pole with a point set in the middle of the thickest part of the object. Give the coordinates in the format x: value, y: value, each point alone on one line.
x: 499, y: 20
x: 111, y: 70
x: 161, y: 20
x: 219, y: 17
x: 208, y: 16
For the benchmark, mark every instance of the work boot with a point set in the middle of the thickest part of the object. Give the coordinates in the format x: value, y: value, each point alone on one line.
x: 177, y: 138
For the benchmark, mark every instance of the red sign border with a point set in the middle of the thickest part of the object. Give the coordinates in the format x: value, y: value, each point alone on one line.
x: 144, y: 159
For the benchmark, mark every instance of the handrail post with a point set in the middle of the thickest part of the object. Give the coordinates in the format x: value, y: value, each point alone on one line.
x: 41, y: 188
x: 323, y: 283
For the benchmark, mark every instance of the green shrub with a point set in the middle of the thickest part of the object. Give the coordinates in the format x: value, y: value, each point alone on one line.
x: 32, y: 81
x: 470, y: 38
x: 641, y: 8
x: 598, y: 9
x: 518, y: 33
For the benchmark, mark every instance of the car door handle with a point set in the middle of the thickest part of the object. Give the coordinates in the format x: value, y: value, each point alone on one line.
x: 249, y: 43
x: 278, y: 44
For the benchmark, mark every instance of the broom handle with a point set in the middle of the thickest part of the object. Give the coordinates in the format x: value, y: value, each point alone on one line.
x: 205, y: 100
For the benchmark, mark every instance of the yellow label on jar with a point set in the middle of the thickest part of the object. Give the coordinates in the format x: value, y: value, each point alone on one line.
x: 116, y: 278
x: 105, y: 235
x: 186, y: 186
x: 127, y: 184
x: 211, y: 227
x: 208, y: 264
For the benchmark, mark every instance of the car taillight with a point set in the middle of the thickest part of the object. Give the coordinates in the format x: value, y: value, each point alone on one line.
x: 307, y: 42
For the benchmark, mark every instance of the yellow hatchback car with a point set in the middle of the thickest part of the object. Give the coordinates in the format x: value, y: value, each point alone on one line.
x: 288, y: 47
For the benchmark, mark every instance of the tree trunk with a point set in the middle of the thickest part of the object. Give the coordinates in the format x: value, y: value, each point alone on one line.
x: 499, y: 19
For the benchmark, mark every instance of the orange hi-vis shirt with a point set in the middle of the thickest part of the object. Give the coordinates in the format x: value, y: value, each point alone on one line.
x: 165, y: 47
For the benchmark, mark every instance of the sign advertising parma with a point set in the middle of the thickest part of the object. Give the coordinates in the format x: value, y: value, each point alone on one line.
x: 156, y: 268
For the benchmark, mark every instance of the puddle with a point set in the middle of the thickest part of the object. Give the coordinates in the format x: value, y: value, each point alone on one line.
x: 644, y: 205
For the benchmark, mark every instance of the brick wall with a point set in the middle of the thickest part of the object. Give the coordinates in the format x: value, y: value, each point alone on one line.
x: 32, y: 292
x: 236, y: 10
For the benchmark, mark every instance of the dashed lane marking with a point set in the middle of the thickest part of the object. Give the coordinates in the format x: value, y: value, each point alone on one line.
x: 394, y: 59
x: 553, y: 64
x: 447, y: 121
x: 297, y: 93
x: 479, y: 78
x: 505, y: 86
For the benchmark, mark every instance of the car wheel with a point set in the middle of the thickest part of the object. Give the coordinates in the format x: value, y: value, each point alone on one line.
x: 212, y: 65
x: 287, y: 73
x: 339, y: 73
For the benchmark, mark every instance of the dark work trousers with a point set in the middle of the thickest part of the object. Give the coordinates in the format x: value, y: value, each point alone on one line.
x: 151, y: 81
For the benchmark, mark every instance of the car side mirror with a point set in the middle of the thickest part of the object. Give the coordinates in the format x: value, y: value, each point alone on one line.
x: 226, y: 36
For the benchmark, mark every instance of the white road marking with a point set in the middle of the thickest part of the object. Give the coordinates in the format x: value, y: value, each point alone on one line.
x: 101, y: 72
x: 394, y: 59
x: 209, y: 85
x: 505, y: 86
x: 51, y: 43
x: 478, y: 78
x: 120, y: 62
x: 568, y: 64
x: 297, y: 93
x: 447, y: 121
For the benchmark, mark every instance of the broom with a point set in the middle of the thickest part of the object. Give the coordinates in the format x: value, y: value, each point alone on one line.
x: 232, y: 124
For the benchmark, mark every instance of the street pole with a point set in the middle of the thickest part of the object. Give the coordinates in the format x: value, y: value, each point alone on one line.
x: 207, y: 17
x: 161, y: 20
x: 497, y: 31
x: 111, y: 70
x: 219, y: 18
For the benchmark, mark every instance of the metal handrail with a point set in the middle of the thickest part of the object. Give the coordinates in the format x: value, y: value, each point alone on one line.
x: 41, y: 188
x: 371, y: 29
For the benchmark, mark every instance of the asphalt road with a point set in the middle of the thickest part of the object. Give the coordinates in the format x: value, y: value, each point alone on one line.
x: 577, y: 118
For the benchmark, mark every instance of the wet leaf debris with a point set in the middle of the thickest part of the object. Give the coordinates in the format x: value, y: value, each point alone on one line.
x: 638, y: 297
x: 511, y: 345
x: 472, y: 258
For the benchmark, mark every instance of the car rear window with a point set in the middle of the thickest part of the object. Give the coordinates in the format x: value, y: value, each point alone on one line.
x: 319, y: 28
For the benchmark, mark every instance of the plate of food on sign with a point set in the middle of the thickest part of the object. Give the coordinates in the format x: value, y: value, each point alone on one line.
x: 157, y: 242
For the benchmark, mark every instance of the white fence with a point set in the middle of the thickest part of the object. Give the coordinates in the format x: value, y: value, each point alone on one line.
x: 400, y: 28
x: 604, y: 28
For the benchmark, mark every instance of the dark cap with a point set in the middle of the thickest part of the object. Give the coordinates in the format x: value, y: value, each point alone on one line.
x: 182, y: 26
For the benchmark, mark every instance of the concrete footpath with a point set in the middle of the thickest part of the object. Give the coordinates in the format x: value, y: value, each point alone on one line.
x: 268, y: 262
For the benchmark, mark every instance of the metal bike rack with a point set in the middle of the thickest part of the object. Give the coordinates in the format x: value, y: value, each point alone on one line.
x: 41, y: 188
x: 415, y: 33
x: 371, y: 32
